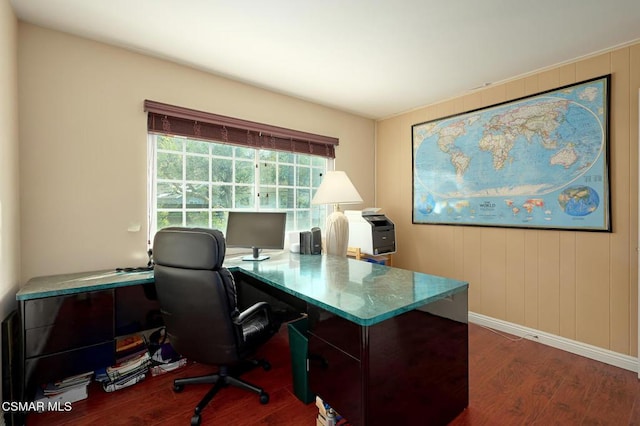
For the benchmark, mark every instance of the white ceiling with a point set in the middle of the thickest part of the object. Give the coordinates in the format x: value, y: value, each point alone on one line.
x: 375, y: 58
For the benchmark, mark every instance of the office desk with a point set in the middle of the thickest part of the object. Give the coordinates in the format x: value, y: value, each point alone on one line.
x: 385, y: 344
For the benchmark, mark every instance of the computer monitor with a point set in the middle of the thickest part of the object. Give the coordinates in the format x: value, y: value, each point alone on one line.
x: 256, y: 230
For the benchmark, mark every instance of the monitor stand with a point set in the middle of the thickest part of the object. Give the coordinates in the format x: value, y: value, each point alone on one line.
x: 256, y: 255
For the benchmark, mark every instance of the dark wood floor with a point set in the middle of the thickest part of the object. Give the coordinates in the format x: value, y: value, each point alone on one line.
x: 511, y: 382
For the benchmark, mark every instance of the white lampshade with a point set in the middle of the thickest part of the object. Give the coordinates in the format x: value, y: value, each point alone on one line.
x: 336, y: 189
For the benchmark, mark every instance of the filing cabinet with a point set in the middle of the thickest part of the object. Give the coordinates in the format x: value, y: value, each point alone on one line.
x: 66, y: 335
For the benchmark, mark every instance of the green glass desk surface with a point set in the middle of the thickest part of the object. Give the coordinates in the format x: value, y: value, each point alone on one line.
x: 80, y: 282
x: 362, y: 292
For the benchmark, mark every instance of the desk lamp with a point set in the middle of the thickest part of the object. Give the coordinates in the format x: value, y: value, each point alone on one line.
x: 336, y: 189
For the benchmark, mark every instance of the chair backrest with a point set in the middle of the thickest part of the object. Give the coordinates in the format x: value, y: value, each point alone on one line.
x: 196, y: 294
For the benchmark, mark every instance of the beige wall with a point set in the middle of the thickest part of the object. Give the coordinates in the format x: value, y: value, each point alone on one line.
x: 83, y: 146
x: 9, y: 184
x: 579, y: 285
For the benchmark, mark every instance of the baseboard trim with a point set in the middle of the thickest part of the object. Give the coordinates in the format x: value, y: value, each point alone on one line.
x: 583, y: 349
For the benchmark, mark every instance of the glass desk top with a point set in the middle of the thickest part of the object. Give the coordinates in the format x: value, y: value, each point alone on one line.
x: 362, y: 292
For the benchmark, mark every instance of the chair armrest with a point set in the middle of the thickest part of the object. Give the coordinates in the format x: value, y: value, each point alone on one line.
x: 259, y: 308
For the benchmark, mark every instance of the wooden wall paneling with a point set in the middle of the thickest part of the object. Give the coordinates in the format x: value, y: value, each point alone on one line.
x: 428, y: 246
x: 549, y: 281
x: 567, y: 283
x: 443, y: 250
x: 494, y: 95
x: 549, y: 80
x: 634, y: 137
x: 471, y: 101
x: 593, y: 67
x: 472, y: 252
x: 592, y: 288
x: 387, y: 130
x: 531, y: 85
x: 401, y: 181
x: 458, y: 105
x: 394, y: 183
x: 621, y: 187
x: 531, y: 304
x: 445, y: 109
x: 567, y: 74
x: 514, y: 89
x: 458, y: 244
x: 515, y: 255
x: 493, y: 272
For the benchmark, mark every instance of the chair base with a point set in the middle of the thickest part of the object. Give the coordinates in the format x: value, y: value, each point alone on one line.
x: 221, y: 380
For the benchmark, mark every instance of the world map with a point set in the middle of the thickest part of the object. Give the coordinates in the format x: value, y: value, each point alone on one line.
x: 534, y: 162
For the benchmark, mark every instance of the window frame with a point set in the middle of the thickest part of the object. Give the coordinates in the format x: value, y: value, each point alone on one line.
x: 295, y: 220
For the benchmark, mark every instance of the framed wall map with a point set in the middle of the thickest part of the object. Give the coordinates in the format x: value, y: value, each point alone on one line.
x: 535, y: 162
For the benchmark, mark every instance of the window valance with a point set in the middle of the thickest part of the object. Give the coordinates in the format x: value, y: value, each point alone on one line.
x: 179, y: 121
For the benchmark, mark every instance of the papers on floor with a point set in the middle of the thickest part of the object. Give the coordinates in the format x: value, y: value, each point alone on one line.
x: 60, y: 394
x: 124, y: 374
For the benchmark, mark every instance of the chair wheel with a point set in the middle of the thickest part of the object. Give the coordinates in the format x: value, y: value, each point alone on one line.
x: 195, y: 420
x: 264, y: 398
x: 178, y: 388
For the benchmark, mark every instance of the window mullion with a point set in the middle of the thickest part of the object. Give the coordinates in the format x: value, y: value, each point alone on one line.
x: 256, y: 179
x: 184, y: 184
x: 210, y: 173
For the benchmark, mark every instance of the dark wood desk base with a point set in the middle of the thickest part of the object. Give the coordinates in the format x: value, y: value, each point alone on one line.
x: 409, y: 369
x: 71, y: 334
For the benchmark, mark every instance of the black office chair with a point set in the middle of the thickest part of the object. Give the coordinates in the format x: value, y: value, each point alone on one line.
x: 198, y: 303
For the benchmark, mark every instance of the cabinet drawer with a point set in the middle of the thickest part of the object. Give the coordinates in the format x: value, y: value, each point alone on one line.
x: 63, y: 337
x: 57, y: 324
x: 343, y: 334
x: 337, y: 378
x: 83, y: 308
x: 65, y: 364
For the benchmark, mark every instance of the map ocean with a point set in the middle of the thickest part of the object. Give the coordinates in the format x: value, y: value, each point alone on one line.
x: 538, y: 162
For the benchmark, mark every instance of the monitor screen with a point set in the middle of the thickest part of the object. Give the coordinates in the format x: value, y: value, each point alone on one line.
x: 256, y: 230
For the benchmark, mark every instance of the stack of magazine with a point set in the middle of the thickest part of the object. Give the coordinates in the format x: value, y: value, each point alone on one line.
x: 130, y: 347
x: 125, y: 373
x: 68, y: 390
x: 166, y: 359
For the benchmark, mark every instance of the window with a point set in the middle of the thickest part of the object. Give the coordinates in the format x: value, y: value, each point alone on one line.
x: 202, y: 165
x: 195, y: 182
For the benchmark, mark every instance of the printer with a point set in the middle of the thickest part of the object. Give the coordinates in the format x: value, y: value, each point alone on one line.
x: 371, y: 231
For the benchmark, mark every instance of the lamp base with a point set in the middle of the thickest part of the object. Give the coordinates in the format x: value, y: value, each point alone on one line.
x: 337, y: 234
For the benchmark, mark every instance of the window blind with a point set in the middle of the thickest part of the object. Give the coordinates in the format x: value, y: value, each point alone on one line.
x: 179, y: 121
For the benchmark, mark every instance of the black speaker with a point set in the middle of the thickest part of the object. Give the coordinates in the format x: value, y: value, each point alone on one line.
x: 316, y: 241
x: 305, y: 242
